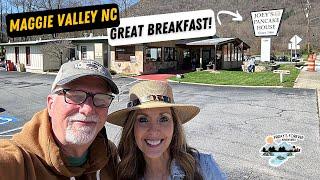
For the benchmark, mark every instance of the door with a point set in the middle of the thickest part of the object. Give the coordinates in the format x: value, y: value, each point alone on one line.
x: 206, y: 55
x: 16, y: 52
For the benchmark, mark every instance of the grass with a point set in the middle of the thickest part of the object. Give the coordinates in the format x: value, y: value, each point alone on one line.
x: 225, y: 77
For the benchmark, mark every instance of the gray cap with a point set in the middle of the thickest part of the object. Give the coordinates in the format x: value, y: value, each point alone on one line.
x: 73, y: 70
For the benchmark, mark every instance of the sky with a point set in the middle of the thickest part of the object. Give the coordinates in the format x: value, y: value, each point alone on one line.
x: 3, y: 3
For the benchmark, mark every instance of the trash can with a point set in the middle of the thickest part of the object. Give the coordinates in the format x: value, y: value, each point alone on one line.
x: 11, y: 66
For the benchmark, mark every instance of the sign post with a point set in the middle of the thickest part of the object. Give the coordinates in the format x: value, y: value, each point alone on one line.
x: 281, y: 73
x: 265, y: 49
x: 295, y: 40
x: 266, y: 24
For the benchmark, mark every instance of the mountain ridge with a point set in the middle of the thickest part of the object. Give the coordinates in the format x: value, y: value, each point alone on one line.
x: 293, y: 19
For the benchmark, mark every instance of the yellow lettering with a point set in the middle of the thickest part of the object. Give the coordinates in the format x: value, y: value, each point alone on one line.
x: 31, y: 23
x: 39, y: 22
x: 44, y: 22
x: 74, y: 19
x: 68, y: 20
x: 105, y: 15
x: 94, y: 14
x: 23, y: 26
x: 113, y: 14
x: 14, y: 26
x: 86, y: 17
x: 61, y: 19
x: 80, y: 18
x: 50, y: 25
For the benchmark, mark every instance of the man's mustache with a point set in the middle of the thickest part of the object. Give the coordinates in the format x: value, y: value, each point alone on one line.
x: 82, y: 117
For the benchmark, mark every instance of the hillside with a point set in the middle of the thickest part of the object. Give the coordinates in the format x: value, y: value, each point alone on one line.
x: 293, y: 21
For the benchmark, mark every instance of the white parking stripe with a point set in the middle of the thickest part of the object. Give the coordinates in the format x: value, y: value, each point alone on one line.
x: 5, y: 132
x: 6, y: 135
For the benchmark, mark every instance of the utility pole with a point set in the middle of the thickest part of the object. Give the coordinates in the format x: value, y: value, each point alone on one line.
x: 1, y: 33
x: 307, y: 9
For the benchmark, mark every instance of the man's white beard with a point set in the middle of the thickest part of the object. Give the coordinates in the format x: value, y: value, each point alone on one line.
x: 81, y: 135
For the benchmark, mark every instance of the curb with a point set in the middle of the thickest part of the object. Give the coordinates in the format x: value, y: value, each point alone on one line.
x: 296, y: 81
x: 50, y: 73
x: 220, y: 85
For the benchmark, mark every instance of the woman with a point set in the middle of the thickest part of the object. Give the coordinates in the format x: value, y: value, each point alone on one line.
x: 153, y: 144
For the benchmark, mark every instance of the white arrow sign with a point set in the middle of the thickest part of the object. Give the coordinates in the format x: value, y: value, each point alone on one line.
x: 295, y: 40
x: 237, y: 16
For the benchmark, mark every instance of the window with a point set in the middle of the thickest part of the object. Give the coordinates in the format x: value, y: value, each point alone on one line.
x: 83, y: 52
x: 226, y: 53
x: 169, y: 54
x: 28, y: 56
x: 72, y: 53
x: 123, y: 53
x: 153, y: 53
x: 232, y: 52
x: 16, y: 52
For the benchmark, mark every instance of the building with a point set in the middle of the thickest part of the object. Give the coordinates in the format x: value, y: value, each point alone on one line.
x: 48, y: 55
x: 149, y: 58
x: 180, y: 55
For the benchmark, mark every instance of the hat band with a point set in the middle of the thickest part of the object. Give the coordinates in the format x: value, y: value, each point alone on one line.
x: 149, y: 98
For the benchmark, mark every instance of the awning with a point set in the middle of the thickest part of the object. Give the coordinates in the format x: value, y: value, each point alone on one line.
x: 212, y: 42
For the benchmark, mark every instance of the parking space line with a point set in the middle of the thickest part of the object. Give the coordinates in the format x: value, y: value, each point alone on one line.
x: 6, y: 135
x: 5, y: 132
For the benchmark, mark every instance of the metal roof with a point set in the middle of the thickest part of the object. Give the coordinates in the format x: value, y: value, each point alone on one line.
x: 205, y: 42
x: 93, y: 38
x: 212, y: 42
x: 28, y: 42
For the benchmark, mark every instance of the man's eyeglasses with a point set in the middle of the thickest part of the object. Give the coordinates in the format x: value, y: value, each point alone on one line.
x: 79, y: 97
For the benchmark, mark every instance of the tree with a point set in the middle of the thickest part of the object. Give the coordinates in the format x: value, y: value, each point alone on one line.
x: 124, y: 5
x: 57, y: 50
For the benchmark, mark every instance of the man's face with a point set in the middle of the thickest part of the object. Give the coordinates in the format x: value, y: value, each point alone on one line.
x: 78, y: 124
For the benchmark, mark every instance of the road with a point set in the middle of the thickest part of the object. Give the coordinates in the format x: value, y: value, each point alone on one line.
x: 233, y: 122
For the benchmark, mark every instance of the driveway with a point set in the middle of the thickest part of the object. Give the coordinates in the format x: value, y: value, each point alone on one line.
x: 233, y: 122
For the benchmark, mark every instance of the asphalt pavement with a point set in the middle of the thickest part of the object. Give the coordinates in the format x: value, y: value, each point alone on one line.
x: 233, y: 123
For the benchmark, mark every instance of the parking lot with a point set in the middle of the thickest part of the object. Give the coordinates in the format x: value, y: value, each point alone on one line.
x: 233, y: 122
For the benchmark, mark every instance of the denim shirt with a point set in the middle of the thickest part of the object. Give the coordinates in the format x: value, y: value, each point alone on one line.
x: 209, y: 169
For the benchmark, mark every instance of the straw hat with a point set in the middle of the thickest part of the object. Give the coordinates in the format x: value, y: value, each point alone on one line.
x: 152, y: 94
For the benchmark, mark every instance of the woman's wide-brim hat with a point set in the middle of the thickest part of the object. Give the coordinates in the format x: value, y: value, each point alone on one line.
x: 149, y: 95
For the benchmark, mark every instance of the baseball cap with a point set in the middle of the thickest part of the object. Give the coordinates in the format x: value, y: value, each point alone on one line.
x: 73, y: 70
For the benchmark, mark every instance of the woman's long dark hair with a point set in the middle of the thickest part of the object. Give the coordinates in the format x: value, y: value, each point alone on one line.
x: 133, y: 165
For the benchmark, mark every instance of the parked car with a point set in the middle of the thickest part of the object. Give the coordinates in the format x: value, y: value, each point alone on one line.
x: 294, y: 55
x: 273, y: 58
x: 283, y: 58
x: 294, y: 59
x: 256, y: 57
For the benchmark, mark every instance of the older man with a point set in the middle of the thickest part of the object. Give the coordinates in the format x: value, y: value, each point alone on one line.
x: 67, y: 139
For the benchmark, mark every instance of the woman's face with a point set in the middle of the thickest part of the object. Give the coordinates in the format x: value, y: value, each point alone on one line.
x: 153, y: 130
